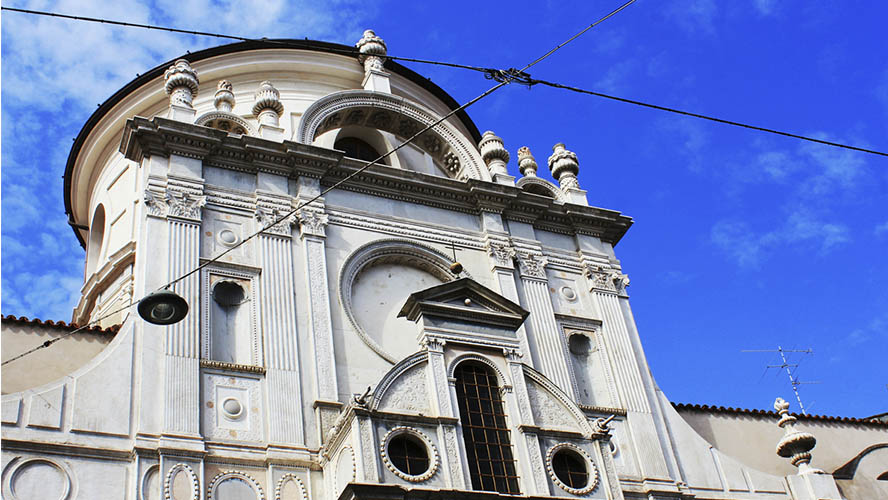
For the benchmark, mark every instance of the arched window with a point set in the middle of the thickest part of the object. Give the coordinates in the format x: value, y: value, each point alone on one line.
x: 488, y: 445
x: 358, y: 148
x: 96, y: 238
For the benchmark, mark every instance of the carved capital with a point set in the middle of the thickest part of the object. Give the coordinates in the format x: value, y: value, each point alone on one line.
x: 513, y: 355
x: 312, y: 221
x: 434, y: 344
x: 184, y: 205
x: 607, y: 279
x: 155, y: 204
x: 503, y: 254
x: 268, y: 216
x: 532, y: 265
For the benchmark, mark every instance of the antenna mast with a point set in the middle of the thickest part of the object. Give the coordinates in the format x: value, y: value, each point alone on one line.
x: 786, y: 365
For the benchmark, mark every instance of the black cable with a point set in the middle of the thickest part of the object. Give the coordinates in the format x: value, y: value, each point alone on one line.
x: 514, y: 75
x: 703, y: 117
x: 283, y: 43
x: 501, y: 83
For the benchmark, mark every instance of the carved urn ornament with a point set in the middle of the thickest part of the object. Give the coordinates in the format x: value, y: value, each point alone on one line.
x: 494, y: 153
x: 267, y: 104
x: 527, y: 164
x: 224, y: 98
x: 564, y: 166
x: 795, y: 445
x: 373, y: 51
x: 181, y: 83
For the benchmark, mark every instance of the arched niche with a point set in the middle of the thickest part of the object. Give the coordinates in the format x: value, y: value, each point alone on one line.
x: 96, y: 239
x: 400, y: 117
x: 374, y: 283
x: 374, y: 138
x: 542, y: 187
x: 228, y: 122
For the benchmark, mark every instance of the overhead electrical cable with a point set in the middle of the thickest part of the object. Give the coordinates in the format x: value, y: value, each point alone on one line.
x: 505, y: 80
x: 532, y: 81
x: 515, y: 76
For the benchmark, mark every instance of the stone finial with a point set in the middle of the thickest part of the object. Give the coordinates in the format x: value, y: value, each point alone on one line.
x: 373, y: 51
x: 526, y: 162
x: 224, y: 98
x: 267, y: 104
x: 795, y: 445
x: 180, y: 82
x: 564, y: 166
x: 494, y: 153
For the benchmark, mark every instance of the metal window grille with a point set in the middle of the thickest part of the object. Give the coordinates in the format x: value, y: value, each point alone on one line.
x: 491, y: 464
x: 570, y: 469
x: 408, y: 456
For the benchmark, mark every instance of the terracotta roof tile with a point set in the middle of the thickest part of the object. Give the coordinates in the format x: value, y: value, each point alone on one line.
x: 774, y: 415
x: 61, y: 325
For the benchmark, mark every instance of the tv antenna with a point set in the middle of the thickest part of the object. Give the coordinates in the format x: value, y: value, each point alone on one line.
x: 786, y: 365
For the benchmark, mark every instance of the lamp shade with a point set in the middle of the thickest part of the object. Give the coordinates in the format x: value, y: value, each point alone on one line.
x: 163, y: 307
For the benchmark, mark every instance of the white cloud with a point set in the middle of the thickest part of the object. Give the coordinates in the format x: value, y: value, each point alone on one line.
x: 881, y: 229
x: 764, y: 7
x: 56, y: 71
x: 696, y: 16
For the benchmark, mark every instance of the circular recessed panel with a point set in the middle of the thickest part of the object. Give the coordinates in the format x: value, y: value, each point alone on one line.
x: 228, y: 238
x: 409, y: 454
x: 39, y: 478
x: 571, y: 469
x: 568, y: 293
x: 232, y: 409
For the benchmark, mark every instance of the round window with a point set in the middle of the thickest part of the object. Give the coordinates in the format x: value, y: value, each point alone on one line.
x: 570, y: 468
x: 408, y: 454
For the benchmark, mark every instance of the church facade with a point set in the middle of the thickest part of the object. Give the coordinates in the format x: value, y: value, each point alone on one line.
x: 432, y: 327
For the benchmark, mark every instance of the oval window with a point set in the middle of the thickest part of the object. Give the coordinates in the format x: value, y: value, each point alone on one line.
x: 408, y: 454
x: 570, y: 468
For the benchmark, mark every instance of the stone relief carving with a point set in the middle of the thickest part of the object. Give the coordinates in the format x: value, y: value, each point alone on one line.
x: 172, y: 484
x: 312, y: 221
x: 548, y: 411
x: 372, y: 49
x: 503, y: 254
x: 536, y: 460
x: 232, y: 475
x: 231, y: 407
x: 453, y: 460
x: 320, y: 312
x: 268, y: 216
x: 155, y: 203
x: 432, y: 451
x: 184, y: 204
x: 281, y: 488
x: 451, y: 161
x: 532, y: 265
x: 591, y: 469
x: 408, y: 392
x: 605, y: 278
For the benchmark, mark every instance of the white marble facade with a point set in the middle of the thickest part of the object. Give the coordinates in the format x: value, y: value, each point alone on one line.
x: 262, y: 391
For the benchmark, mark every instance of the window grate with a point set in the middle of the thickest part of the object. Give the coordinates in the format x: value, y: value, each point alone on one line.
x: 491, y: 464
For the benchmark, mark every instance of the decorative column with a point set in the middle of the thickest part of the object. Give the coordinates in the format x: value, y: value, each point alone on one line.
x: 373, y: 51
x: 527, y: 442
x: 278, y: 316
x: 495, y: 155
x: 312, y: 223
x: 810, y: 483
x: 181, y: 205
x: 608, y: 285
x: 564, y: 166
x: 181, y: 83
x: 268, y: 108
x: 550, y: 344
x: 502, y: 258
x: 442, y: 393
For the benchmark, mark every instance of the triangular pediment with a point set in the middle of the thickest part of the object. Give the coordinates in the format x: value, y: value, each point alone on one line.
x: 466, y: 300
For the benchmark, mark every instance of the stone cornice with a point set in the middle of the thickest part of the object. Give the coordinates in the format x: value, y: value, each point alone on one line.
x: 160, y: 136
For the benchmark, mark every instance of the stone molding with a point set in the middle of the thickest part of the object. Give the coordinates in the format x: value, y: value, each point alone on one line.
x: 175, y: 470
x: 411, y: 253
x: 451, y: 368
x: 229, y: 475
x: 591, y: 469
x: 290, y: 477
x: 219, y: 120
x: 396, y: 115
x: 18, y: 464
x: 434, y: 458
x: 396, y: 371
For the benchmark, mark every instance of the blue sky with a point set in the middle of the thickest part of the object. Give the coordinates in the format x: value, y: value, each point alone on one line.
x: 742, y: 240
